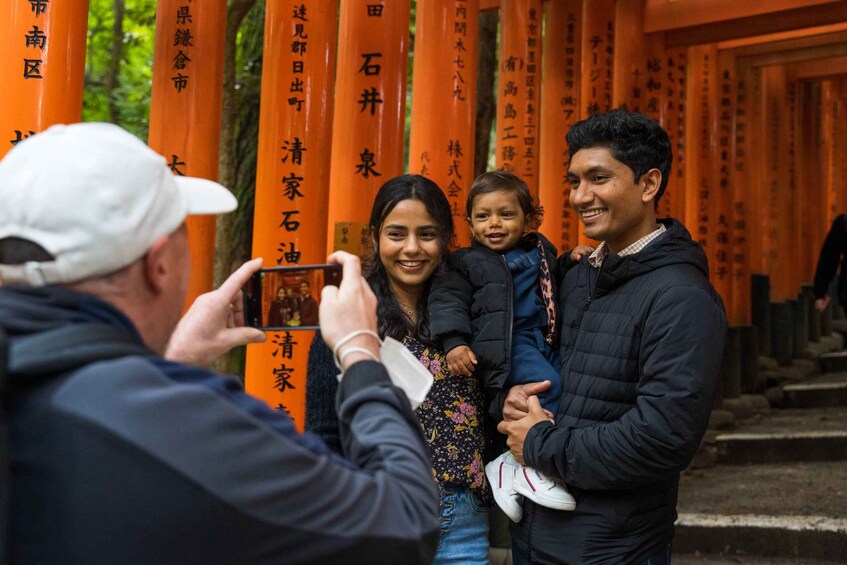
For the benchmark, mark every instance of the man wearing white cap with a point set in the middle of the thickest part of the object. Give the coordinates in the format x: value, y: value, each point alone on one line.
x: 119, y: 450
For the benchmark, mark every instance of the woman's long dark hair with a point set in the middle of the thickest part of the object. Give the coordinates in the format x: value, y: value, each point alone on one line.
x: 392, y: 321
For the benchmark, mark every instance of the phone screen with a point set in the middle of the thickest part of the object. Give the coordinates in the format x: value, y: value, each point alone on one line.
x: 287, y: 298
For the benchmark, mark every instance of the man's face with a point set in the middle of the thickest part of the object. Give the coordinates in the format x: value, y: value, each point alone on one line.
x: 607, y: 199
x: 304, y: 289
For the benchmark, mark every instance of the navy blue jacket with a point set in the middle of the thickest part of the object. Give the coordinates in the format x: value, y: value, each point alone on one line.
x: 141, y: 460
x: 641, y: 347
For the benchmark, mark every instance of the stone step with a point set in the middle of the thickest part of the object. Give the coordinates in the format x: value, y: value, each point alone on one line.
x: 797, y: 537
x: 815, y: 395
x: 834, y: 362
x: 746, y: 448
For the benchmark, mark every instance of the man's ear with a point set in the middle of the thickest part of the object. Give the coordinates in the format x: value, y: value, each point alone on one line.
x: 156, y: 266
x: 650, y: 183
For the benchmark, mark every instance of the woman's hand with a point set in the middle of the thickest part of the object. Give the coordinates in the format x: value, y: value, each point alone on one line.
x: 349, y: 307
x: 215, y: 322
x: 461, y: 361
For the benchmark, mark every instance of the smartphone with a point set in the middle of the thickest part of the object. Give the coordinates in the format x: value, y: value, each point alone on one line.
x: 287, y: 298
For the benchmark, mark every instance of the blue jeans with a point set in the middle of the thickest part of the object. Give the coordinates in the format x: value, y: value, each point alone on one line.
x: 464, y: 528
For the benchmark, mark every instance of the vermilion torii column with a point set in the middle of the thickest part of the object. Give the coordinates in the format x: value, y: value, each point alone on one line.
x: 673, y: 120
x: 185, y: 109
x: 699, y: 139
x: 519, y: 86
x: 42, y: 68
x: 629, y: 67
x: 742, y: 200
x: 720, y: 212
x: 598, y: 48
x: 559, y: 111
x: 368, y: 122
x: 292, y: 179
x: 442, y: 140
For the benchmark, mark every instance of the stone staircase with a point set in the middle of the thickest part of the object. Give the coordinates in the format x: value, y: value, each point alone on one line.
x: 771, y: 487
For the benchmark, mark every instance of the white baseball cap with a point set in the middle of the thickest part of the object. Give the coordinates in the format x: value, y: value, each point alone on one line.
x: 96, y: 198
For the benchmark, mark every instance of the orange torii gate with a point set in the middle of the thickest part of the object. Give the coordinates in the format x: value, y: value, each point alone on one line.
x: 752, y: 95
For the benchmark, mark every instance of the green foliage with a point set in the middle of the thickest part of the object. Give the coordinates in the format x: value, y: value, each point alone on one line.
x: 135, y: 66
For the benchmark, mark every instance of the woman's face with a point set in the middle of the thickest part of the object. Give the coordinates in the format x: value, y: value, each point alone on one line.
x: 280, y: 294
x: 409, y: 246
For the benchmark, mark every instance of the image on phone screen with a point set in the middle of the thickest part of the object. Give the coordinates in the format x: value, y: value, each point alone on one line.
x: 287, y: 298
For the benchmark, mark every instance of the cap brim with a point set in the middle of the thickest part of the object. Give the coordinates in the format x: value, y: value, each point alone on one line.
x: 205, y: 197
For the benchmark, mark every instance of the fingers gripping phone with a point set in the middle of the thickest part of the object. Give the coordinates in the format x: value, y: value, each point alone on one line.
x: 287, y: 298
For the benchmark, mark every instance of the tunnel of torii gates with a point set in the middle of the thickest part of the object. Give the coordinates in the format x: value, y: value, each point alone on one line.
x: 752, y: 94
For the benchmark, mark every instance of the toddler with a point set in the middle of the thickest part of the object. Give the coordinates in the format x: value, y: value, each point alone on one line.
x: 494, y: 314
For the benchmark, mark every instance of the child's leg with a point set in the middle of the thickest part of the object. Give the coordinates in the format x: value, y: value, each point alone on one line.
x: 534, y: 361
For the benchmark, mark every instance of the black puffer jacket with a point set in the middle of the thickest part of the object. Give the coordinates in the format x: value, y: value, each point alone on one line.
x: 642, y: 342
x: 471, y: 304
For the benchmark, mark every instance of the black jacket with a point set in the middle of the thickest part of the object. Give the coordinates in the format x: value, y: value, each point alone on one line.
x: 833, y: 254
x: 141, y: 460
x: 471, y: 304
x: 641, y: 347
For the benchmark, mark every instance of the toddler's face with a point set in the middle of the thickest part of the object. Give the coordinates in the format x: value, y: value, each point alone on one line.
x: 497, y: 220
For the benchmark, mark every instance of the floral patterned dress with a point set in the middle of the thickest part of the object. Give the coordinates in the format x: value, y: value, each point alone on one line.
x: 451, y: 417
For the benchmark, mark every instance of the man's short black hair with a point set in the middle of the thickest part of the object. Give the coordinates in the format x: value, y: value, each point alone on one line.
x: 632, y: 138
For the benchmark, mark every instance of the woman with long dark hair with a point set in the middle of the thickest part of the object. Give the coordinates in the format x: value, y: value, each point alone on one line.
x: 411, y: 226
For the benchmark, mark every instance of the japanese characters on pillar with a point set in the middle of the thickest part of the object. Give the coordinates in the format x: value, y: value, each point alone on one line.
x: 774, y: 176
x: 741, y: 199
x: 673, y: 96
x: 598, y: 47
x: 654, y: 86
x: 36, y: 96
x: 789, y: 209
x: 185, y: 109
x: 292, y: 184
x: 721, y: 197
x: 444, y: 85
x: 368, y: 122
x: 520, y: 88
x: 559, y: 111
x: 629, y: 76
x: 699, y: 124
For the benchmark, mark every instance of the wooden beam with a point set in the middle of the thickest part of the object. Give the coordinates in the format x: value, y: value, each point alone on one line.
x: 796, y: 56
x: 489, y: 5
x: 772, y: 22
x: 819, y: 69
x: 803, y: 38
x: 664, y: 15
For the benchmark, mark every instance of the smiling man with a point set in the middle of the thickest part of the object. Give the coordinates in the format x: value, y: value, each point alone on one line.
x: 641, y: 344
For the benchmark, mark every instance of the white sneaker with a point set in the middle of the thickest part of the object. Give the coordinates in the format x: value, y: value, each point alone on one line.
x: 541, y: 490
x: 501, y: 474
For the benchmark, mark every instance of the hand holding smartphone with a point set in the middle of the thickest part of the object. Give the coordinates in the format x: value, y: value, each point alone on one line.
x: 287, y: 298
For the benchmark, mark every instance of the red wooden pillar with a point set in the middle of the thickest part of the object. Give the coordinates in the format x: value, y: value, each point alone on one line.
x: 185, y: 109
x: 559, y: 111
x: 700, y: 136
x: 657, y: 75
x: 42, y: 68
x: 673, y: 112
x: 368, y: 121
x: 444, y: 85
x: 598, y: 48
x: 742, y: 201
x: 722, y: 166
x: 629, y: 70
x: 292, y: 179
x: 520, y: 88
